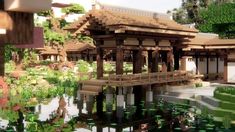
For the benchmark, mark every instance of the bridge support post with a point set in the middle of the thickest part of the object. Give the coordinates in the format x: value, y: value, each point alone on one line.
x: 120, y: 105
x: 80, y: 98
x: 89, y: 103
x: 109, y: 99
x: 99, y: 104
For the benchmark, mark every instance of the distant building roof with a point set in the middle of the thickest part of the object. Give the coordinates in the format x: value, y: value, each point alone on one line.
x: 209, y: 41
x: 70, y: 46
x: 78, y: 46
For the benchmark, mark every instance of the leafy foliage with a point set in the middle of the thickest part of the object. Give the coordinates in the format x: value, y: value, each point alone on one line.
x: 75, y: 8
x: 219, y: 19
x: 9, y: 49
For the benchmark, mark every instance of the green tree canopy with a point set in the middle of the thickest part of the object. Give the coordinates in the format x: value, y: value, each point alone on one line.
x: 219, y: 19
x: 75, y: 8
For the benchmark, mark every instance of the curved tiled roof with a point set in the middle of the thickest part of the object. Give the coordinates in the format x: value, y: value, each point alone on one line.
x: 116, y: 21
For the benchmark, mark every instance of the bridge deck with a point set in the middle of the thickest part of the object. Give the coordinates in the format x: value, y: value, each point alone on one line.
x: 141, y: 79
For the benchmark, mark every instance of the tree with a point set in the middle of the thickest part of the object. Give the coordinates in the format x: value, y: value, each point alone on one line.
x: 189, y: 11
x: 218, y: 18
x: 54, y: 34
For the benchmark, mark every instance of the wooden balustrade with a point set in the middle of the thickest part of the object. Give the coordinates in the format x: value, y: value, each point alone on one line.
x: 143, y: 78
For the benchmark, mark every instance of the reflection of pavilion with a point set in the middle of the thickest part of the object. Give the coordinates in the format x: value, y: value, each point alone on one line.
x: 126, y: 30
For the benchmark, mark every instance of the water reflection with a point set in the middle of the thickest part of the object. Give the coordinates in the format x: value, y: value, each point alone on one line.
x: 67, y: 114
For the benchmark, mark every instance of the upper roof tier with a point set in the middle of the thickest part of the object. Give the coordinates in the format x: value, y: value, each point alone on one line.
x: 122, y: 20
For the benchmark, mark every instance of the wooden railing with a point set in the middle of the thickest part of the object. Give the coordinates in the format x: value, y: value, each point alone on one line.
x: 148, y: 78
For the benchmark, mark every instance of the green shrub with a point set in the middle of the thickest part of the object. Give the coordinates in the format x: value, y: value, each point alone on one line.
x: 227, y: 105
x: 83, y: 66
x: 224, y: 96
x: 222, y: 112
x: 198, y: 85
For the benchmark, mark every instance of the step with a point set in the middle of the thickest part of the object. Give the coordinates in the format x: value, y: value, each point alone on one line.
x: 172, y: 99
x: 88, y: 92
x: 94, y: 82
x: 92, y: 88
x: 180, y: 94
x: 210, y: 100
x: 203, y: 105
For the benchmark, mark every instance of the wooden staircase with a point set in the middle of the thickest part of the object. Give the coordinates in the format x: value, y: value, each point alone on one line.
x: 92, y: 87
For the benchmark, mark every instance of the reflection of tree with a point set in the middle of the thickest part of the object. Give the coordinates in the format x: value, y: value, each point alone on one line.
x: 61, y: 110
x: 20, y: 124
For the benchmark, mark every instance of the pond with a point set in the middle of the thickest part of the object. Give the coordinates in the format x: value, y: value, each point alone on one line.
x: 62, y: 114
x: 43, y: 99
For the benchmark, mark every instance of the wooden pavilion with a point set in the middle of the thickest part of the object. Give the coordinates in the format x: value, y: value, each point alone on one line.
x: 133, y: 31
x: 73, y: 51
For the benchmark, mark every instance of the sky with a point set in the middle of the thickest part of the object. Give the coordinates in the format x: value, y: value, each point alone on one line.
x: 150, y: 5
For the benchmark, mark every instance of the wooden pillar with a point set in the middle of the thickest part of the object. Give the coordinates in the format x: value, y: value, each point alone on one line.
x: 88, y: 55
x: 150, y: 61
x: 155, y: 60
x: 137, y: 68
x: 137, y: 61
x: 217, y: 64
x: 176, y: 53
x: 226, y: 68
x: 119, y: 56
x: 2, y: 59
x: 196, y: 57
x: 99, y: 59
x: 207, y: 65
x: 164, y: 57
x: 1, y: 4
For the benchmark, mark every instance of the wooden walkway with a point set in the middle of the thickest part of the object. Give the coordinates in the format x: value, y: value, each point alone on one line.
x: 95, y: 86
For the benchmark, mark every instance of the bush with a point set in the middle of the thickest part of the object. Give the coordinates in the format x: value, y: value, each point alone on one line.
x: 83, y: 66
x: 227, y: 105
x: 198, y: 85
x: 224, y: 97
